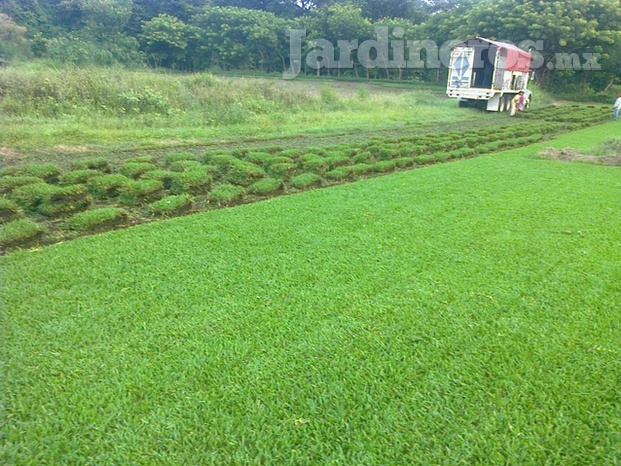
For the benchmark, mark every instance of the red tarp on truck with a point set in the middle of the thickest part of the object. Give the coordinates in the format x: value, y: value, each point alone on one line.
x: 517, y: 59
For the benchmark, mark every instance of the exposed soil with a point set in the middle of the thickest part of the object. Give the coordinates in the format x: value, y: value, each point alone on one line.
x: 571, y: 155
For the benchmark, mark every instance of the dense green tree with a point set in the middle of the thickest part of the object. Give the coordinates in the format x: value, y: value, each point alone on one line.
x: 145, y: 10
x: 568, y: 29
x: 236, y: 38
x: 284, y: 8
x: 12, y: 38
x: 165, y: 38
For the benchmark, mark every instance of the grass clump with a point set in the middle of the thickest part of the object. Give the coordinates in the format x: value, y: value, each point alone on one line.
x: 9, y: 183
x: 226, y: 194
x: 339, y: 174
x: 136, y: 192
x: 78, y: 176
x: 403, y: 162
x: 259, y: 158
x: 101, y: 164
x: 19, y: 232
x: 136, y: 169
x: 314, y: 163
x: 265, y: 186
x: 291, y: 153
x: 48, y: 172
x: 196, y: 181
x: 305, y: 180
x: 244, y: 173
x: 29, y: 197
x: 361, y: 169
x: 63, y: 200
x: 9, y: 210
x: 363, y: 157
x: 338, y: 160
x: 165, y: 176
x: 385, y: 166
x: 97, y: 219
x: 180, y: 157
x: 107, y: 186
x: 278, y: 159
x: 172, y: 205
x: 283, y: 170
x: 184, y: 165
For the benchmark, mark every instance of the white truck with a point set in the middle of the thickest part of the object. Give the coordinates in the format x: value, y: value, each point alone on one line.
x: 487, y: 73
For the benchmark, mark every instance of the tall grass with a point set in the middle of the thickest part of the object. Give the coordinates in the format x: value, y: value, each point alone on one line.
x: 42, y: 106
x: 55, y: 93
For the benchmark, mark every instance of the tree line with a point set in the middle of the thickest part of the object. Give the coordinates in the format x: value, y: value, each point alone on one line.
x: 578, y: 42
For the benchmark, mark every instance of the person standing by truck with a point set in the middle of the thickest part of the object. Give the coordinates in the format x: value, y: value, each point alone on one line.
x: 518, y: 103
x: 616, y: 107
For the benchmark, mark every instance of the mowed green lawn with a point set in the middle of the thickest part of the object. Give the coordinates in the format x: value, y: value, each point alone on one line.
x: 463, y: 313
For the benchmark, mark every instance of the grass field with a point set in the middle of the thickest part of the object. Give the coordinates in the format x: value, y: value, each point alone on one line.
x: 463, y: 313
x: 73, y: 111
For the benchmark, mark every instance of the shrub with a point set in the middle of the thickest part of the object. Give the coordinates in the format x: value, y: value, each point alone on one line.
x: 48, y: 172
x: 9, y: 183
x: 244, y: 173
x: 19, y: 232
x: 65, y: 200
x: 179, y: 157
x: 172, y: 205
x: 183, y: 165
x: 96, y: 163
x: 305, y: 180
x: 97, y: 219
x: 136, y: 169
x: 136, y: 192
x: 107, y: 186
x: 265, y: 186
x: 226, y: 194
x: 78, y: 176
x: 191, y: 181
x: 9, y: 210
